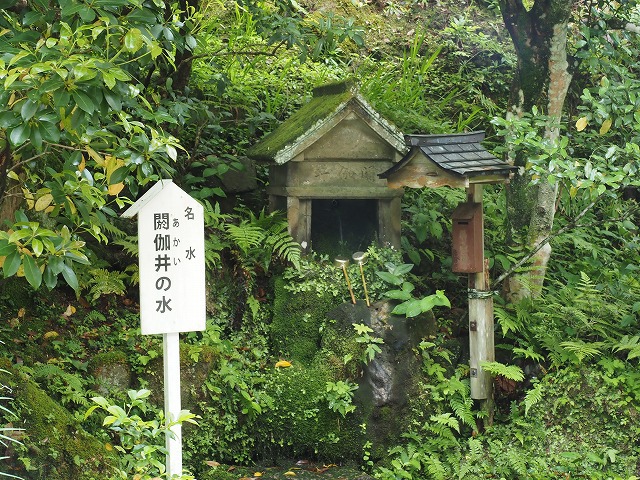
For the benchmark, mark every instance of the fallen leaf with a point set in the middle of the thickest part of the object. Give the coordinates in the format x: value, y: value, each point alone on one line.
x: 283, y: 364
x: 69, y: 311
x: 212, y: 463
x: 257, y: 474
x: 290, y: 474
x: 21, y: 312
x: 50, y: 334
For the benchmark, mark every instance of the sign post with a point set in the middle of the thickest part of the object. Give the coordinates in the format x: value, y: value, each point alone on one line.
x: 172, y: 285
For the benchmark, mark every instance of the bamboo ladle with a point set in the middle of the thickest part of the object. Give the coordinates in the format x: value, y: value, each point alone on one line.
x: 343, y: 262
x: 361, y: 259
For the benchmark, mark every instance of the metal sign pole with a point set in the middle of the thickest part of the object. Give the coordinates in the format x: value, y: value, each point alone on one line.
x: 172, y: 408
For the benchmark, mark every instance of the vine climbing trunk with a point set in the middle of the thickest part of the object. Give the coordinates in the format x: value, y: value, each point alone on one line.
x: 542, y: 80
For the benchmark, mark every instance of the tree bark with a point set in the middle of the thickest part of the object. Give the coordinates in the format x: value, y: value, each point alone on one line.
x: 540, y: 39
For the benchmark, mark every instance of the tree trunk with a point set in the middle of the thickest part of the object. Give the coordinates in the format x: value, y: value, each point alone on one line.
x: 542, y: 80
x: 10, y: 192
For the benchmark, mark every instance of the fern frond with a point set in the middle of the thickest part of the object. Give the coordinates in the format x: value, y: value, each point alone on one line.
x: 445, y: 419
x: 435, y: 468
x: 73, y: 389
x: 245, y: 236
x: 507, y: 321
x: 284, y: 246
x: 532, y: 397
x: 587, y: 287
x: 528, y: 353
x: 114, y: 231
x: 628, y: 343
x: 511, y: 372
x: 455, y: 385
x: 517, y: 462
x: 462, y: 410
x: 129, y: 245
x: 475, y: 448
x: 106, y: 282
x: 581, y: 349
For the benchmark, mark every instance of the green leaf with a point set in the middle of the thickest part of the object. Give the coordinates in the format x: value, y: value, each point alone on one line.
x: 37, y: 246
x: 49, y: 132
x: 70, y: 277
x: 20, y: 134
x: 83, y: 101
x: 119, y: 175
x: 12, y: 264
x: 28, y: 110
x: 56, y: 264
x: 83, y: 73
x: 414, y: 308
x: 390, y: 278
x: 87, y: 15
x: 398, y: 294
x: 109, y: 79
x: 50, y: 278
x: 6, y: 248
x: 21, y: 234
x: 133, y: 40
x: 113, y: 99
x: 31, y: 272
x: 402, y: 269
x: 9, y: 119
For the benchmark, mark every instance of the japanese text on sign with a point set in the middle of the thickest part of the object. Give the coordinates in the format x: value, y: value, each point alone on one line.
x: 171, y: 246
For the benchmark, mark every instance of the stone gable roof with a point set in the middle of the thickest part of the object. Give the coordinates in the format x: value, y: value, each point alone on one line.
x: 328, y: 106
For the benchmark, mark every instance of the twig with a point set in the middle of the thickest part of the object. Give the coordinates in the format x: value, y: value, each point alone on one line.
x: 544, y: 241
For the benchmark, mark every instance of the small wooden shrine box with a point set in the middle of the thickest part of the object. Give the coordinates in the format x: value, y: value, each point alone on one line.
x: 466, y: 233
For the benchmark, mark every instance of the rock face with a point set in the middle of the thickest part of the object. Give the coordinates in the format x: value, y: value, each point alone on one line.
x: 394, y: 373
x: 111, y: 371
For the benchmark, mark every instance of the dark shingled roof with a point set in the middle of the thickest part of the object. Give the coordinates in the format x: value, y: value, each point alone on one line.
x: 460, y: 153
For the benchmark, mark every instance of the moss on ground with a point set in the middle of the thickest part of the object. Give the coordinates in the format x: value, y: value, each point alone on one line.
x: 55, y: 446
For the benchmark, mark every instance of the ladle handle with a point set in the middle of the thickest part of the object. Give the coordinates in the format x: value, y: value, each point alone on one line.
x: 364, y: 285
x: 346, y: 276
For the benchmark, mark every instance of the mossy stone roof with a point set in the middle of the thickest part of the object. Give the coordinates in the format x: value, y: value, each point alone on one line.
x: 327, y: 103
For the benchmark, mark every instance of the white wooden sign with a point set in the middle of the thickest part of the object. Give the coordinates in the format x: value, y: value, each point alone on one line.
x: 172, y: 286
x: 171, y: 251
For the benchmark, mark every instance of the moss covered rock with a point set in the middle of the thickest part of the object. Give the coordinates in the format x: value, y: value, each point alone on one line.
x: 55, y: 446
x: 301, y: 423
x: 297, y: 322
x: 112, y: 372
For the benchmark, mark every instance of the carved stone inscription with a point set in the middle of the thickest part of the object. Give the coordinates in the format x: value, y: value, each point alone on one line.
x: 348, y: 174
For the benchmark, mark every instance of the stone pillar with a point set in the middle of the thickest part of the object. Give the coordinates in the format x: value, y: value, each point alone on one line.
x: 299, y: 219
x: 389, y: 213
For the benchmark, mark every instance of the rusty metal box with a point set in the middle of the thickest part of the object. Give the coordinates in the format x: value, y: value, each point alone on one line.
x: 468, y: 255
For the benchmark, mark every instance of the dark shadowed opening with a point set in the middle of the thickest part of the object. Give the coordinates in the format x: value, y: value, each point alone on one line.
x: 342, y: 227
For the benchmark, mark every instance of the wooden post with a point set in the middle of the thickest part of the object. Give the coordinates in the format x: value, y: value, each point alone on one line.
x: 481, y: 335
